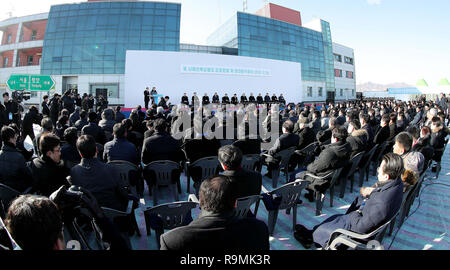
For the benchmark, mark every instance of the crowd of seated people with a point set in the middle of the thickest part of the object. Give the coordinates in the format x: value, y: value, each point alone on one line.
x: 80, y: 143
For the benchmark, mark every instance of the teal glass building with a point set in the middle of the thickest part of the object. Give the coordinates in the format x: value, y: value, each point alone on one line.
x: 92, y: 37
x: 263, y: 37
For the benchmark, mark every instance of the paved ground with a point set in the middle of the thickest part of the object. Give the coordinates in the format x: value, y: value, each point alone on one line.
x: 427, y: 227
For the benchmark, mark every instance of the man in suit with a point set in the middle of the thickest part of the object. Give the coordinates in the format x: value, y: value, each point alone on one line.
x: 243, y: 99
x: 281, y: 99
x: 45, y: 108
x: 234, y: 99
x: 247, y: 182
x: 341, y: 117
x: 288, y: 139
x: 226, y: 99
x: 274, y: 98
x: 315, y: 124
x: 383, y: 132
x: 195, y: 99
x: 325, y: 135
x: 267, y: 98
x: 101, y: 179
x: 357, y: 138
x: 146, y: 97
x: 94, y: 130
x: 364, y: 120
x: 374, y: 207
x: 185, y: 99
x: 120, y: 148
x: 48, y: 170
x: 153, y: 93
x: 83, y: 121
x: 217, y: 228
x: 334, y: 156
x: 161, y: 146
x: 259, y: 99
x: 251, y: 98
x: 164, y: 103
x: 215, y: 98
x: 205, y: 99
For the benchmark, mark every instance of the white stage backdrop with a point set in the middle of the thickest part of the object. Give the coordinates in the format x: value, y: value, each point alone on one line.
x: 175, y: 73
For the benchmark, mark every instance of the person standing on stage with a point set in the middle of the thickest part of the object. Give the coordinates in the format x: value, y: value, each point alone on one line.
x: 205, y: 99
x: 153, y: 93
x: 185, y: 99
x: 215, y: 98
x: 146, y: 97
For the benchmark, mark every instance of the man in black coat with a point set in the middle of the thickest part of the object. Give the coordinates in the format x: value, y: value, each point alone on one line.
x: 267, y: 98
x: 274, y: 98
x: 94, y: 130
x: 119, y: 115
x: 288, y: 139
x: 325, y: 135
x: 69, y: 151
x: 146, y: 97
x: 101, y: 179
x: 161, y: 146
x: 226, y: 99
x: 334, y: 156
x: 49, y: 172
x: 12, y: 109
x: 13, y: 170
x: 83, y: 121
x: 68, y: 101
x: 281, y: 99
x: 215, y: 98
x: 383, y: 132
x: 234, y: 99
x: 243, y: 98
x: 45, y: 108
x: 205, y: 99
x: 120, y: 148
x: 75, y: 116
x: 251, y: 98
x: 30, y: 118
x: 364, y: 120
x: 259, y: 99
x: 217, y: 228
x: 247, y: 182
x: 374, y: 207
x: 185, y: 99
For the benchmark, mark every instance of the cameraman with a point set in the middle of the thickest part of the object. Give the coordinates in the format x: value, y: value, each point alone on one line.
x: 36, y: 222
x: 12, y: 109
x: 30, y: 118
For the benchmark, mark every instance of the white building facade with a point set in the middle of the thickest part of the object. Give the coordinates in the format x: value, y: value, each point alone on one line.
x: 344, y: 72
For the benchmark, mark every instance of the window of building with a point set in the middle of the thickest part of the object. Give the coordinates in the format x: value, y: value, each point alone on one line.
x: 33, y: 35
x: 5, y: 62
x: 9, y: 39
x: 353, y: 92
x: 348, y: 60
x: 342, y: 92
x: 337, y: 73
x: 320, y: 91
x: 30, y: 60
x: 349, y: 74
x: 338, y: 57
x: 309, y: 92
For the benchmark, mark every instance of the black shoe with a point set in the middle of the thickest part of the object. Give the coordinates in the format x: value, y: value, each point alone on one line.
x: 306, y: 243
x: 310, y: 197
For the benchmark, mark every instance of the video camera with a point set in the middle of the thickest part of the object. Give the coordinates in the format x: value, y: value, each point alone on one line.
x: 19, y: 96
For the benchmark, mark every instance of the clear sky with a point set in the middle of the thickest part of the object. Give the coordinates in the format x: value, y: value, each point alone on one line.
x: 394, y: 40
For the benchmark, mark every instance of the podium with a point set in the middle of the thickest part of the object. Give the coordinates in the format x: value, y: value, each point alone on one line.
x: 156, y: 98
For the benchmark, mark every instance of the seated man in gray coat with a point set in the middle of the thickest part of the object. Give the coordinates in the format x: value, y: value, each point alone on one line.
x: 372, y: 209
x: 217, y: 228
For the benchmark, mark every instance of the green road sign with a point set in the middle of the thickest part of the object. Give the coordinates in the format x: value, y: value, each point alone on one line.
x: 41, y: 83
x: 31, y: 82
x: 19, y: 82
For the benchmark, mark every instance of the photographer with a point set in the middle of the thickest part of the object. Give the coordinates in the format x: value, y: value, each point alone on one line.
x: 12, y: 109
x: 36, y: 222
x: 30, y: 118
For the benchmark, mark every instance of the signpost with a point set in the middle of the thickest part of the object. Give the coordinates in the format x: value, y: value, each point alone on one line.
x: 31, y: 82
